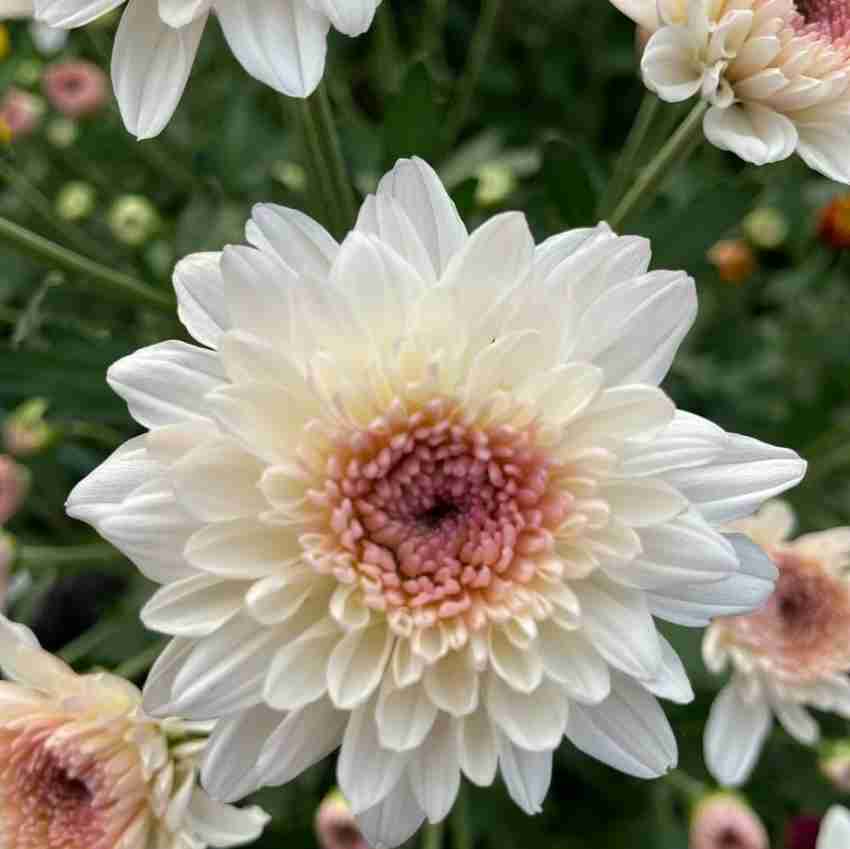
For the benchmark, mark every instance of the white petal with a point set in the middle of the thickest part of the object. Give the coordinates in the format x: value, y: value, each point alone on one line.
x: 734, y: 734
x: 193, y: 607
x: 434, y: 771
x: 280, y: 42
x: 159, y: 683
x: 301, y: 243
x: 640, y: 502
x: 307, y: 736
x: 65, y: 14
x: 417, y: 188
x: 835, y: 829
x: 572, y: 661
x: 452, y: 683
x: 217, y: 481
x: 672, y: 680
x: 670, y: 64
x: 520, y: 668
x: 478, y: 747
x: 150, y: 66
x: 357, y: 664
x: 229, y: 767
x: 353, y: 17
x: 367, y: 772
x: 628, y: 731
x: 166, y: 383
x: 527, y: 775
x: 178, y: 13
x: 642, y: 12
x: 200, y: 297
x: 696, y: 605
x: 824, y: 147
x: 535, y: 721
x: 394, y: 821
x: 617, y: 622
x: 753, y: 132
x: 224, y: 825
x: 737, y: 480
x: 797, y: 721
x: 405, y: 716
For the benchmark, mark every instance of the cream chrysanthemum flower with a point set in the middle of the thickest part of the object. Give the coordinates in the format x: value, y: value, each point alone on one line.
x: 794, y: 651
x: 775, y: 72
x: 421, y: 497
x: 282, y: 44
x: 82, y: 767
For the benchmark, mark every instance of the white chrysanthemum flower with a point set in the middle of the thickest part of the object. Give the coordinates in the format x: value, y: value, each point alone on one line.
x: 282, y: 44
x: 792, y: 652
x: 776, y: 73
x: 421, y: 497
x: 835, y: 829
x: 82, y: 767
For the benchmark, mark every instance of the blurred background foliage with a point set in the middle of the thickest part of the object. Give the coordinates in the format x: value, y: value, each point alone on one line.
x: 557, y: 93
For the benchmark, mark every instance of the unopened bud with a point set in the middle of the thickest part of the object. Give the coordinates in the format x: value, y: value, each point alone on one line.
x: 75, y: 201
x: 25, y: 431
x: 725, y: 819
x: 14, y: 486
x: 766, y: 227
x: 835, y: 764
x: 336, y: 826
x: 61, y: 132
x: 734, y: 260
x: 133, y: 219
x: 834, y: 223
x: 495, y: 184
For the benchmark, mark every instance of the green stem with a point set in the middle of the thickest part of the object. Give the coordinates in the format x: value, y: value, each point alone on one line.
x: 651, y: 177
x: 631, y: 151
x: 433, y: 21
x: 38, y: 558
x: 84, y: 644
x: 134, y: 666
x: 478, y: 51
x: 344, y: 199
x: 689, y: 789
x: 432, y: 836
x: 110, y: 282
x: 461, y: 832
x: 320, y: 178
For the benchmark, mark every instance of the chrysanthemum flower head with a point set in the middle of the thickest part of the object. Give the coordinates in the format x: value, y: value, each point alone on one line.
x: 82, y: 767
x: 794, y: 651
x: 835, y: 829
x: 776, y: 73
x: 725, y: 821
x: 420, y: 497
x: 281, y: 44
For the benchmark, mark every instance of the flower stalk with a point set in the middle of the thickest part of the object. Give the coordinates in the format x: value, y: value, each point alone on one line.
x: 67, y: 558
x: 432, y: 836
x: 110, y: 282
x: 650, y: 179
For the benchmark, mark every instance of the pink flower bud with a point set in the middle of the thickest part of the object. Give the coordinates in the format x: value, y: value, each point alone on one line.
x: 726, y: 821
x: 76, y: 89
x: 336, y: 827
x: 20, y: 112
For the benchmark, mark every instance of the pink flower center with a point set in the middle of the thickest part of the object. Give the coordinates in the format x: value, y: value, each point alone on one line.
x: 438, y: 514
x: 50, y: 797
x: 830, y: 18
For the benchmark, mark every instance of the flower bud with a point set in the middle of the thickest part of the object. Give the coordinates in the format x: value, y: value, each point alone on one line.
x: 290, y: 174
x: 336, y: 826
x: 76, y: 89
x: 61, y: 132
x: 495, y: 184
x: 766, y: 227
x: 734, y: 260
x: 25, y: 432
x: 47, y: 40
x: 835, y: 764
x: 133, y: 219
x: 834, y: 223
x: 75, y: 201
x: 21, y: 113
x: 722, y: 820
x: 14, y: 486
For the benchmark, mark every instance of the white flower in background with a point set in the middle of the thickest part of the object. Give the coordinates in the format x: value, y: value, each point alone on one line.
x: 420, y: 496
x: 47, y: 40
x: 835, y: 829
x: 776, y: 73
x: 282, y: 44
x: 82, y: 767
x: 792, y: 652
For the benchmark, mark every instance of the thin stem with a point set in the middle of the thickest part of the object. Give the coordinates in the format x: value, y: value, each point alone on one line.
x: 461, y: 832
x: 432, y: 836
x: 320, y: 178
x: 433, y: 21
x: 343, y: 191
x: 110, y: 282
x: 689, y: 789
x: 134, y: 666
x: 478, y: 51
x: 91, y: 639
x: 651, y: 177
x: 631, y: 151
x: 39, y: 558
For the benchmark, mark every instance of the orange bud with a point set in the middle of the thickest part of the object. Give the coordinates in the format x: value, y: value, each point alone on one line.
x: 734, y: 260
x: 834, y: 223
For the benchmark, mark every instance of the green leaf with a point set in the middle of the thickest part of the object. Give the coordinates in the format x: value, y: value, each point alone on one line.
x: 413, y: 118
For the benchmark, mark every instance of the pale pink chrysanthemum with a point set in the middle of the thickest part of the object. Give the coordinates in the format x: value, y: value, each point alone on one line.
x: 776, y: 73
x: 792, y: 652
x: 724, y: 821
x: 420, y: 498
x: 14, y: 486
x: 82, y: 767
x: 21, y: 112
x: 77, y: 89
x: 336, y: 825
